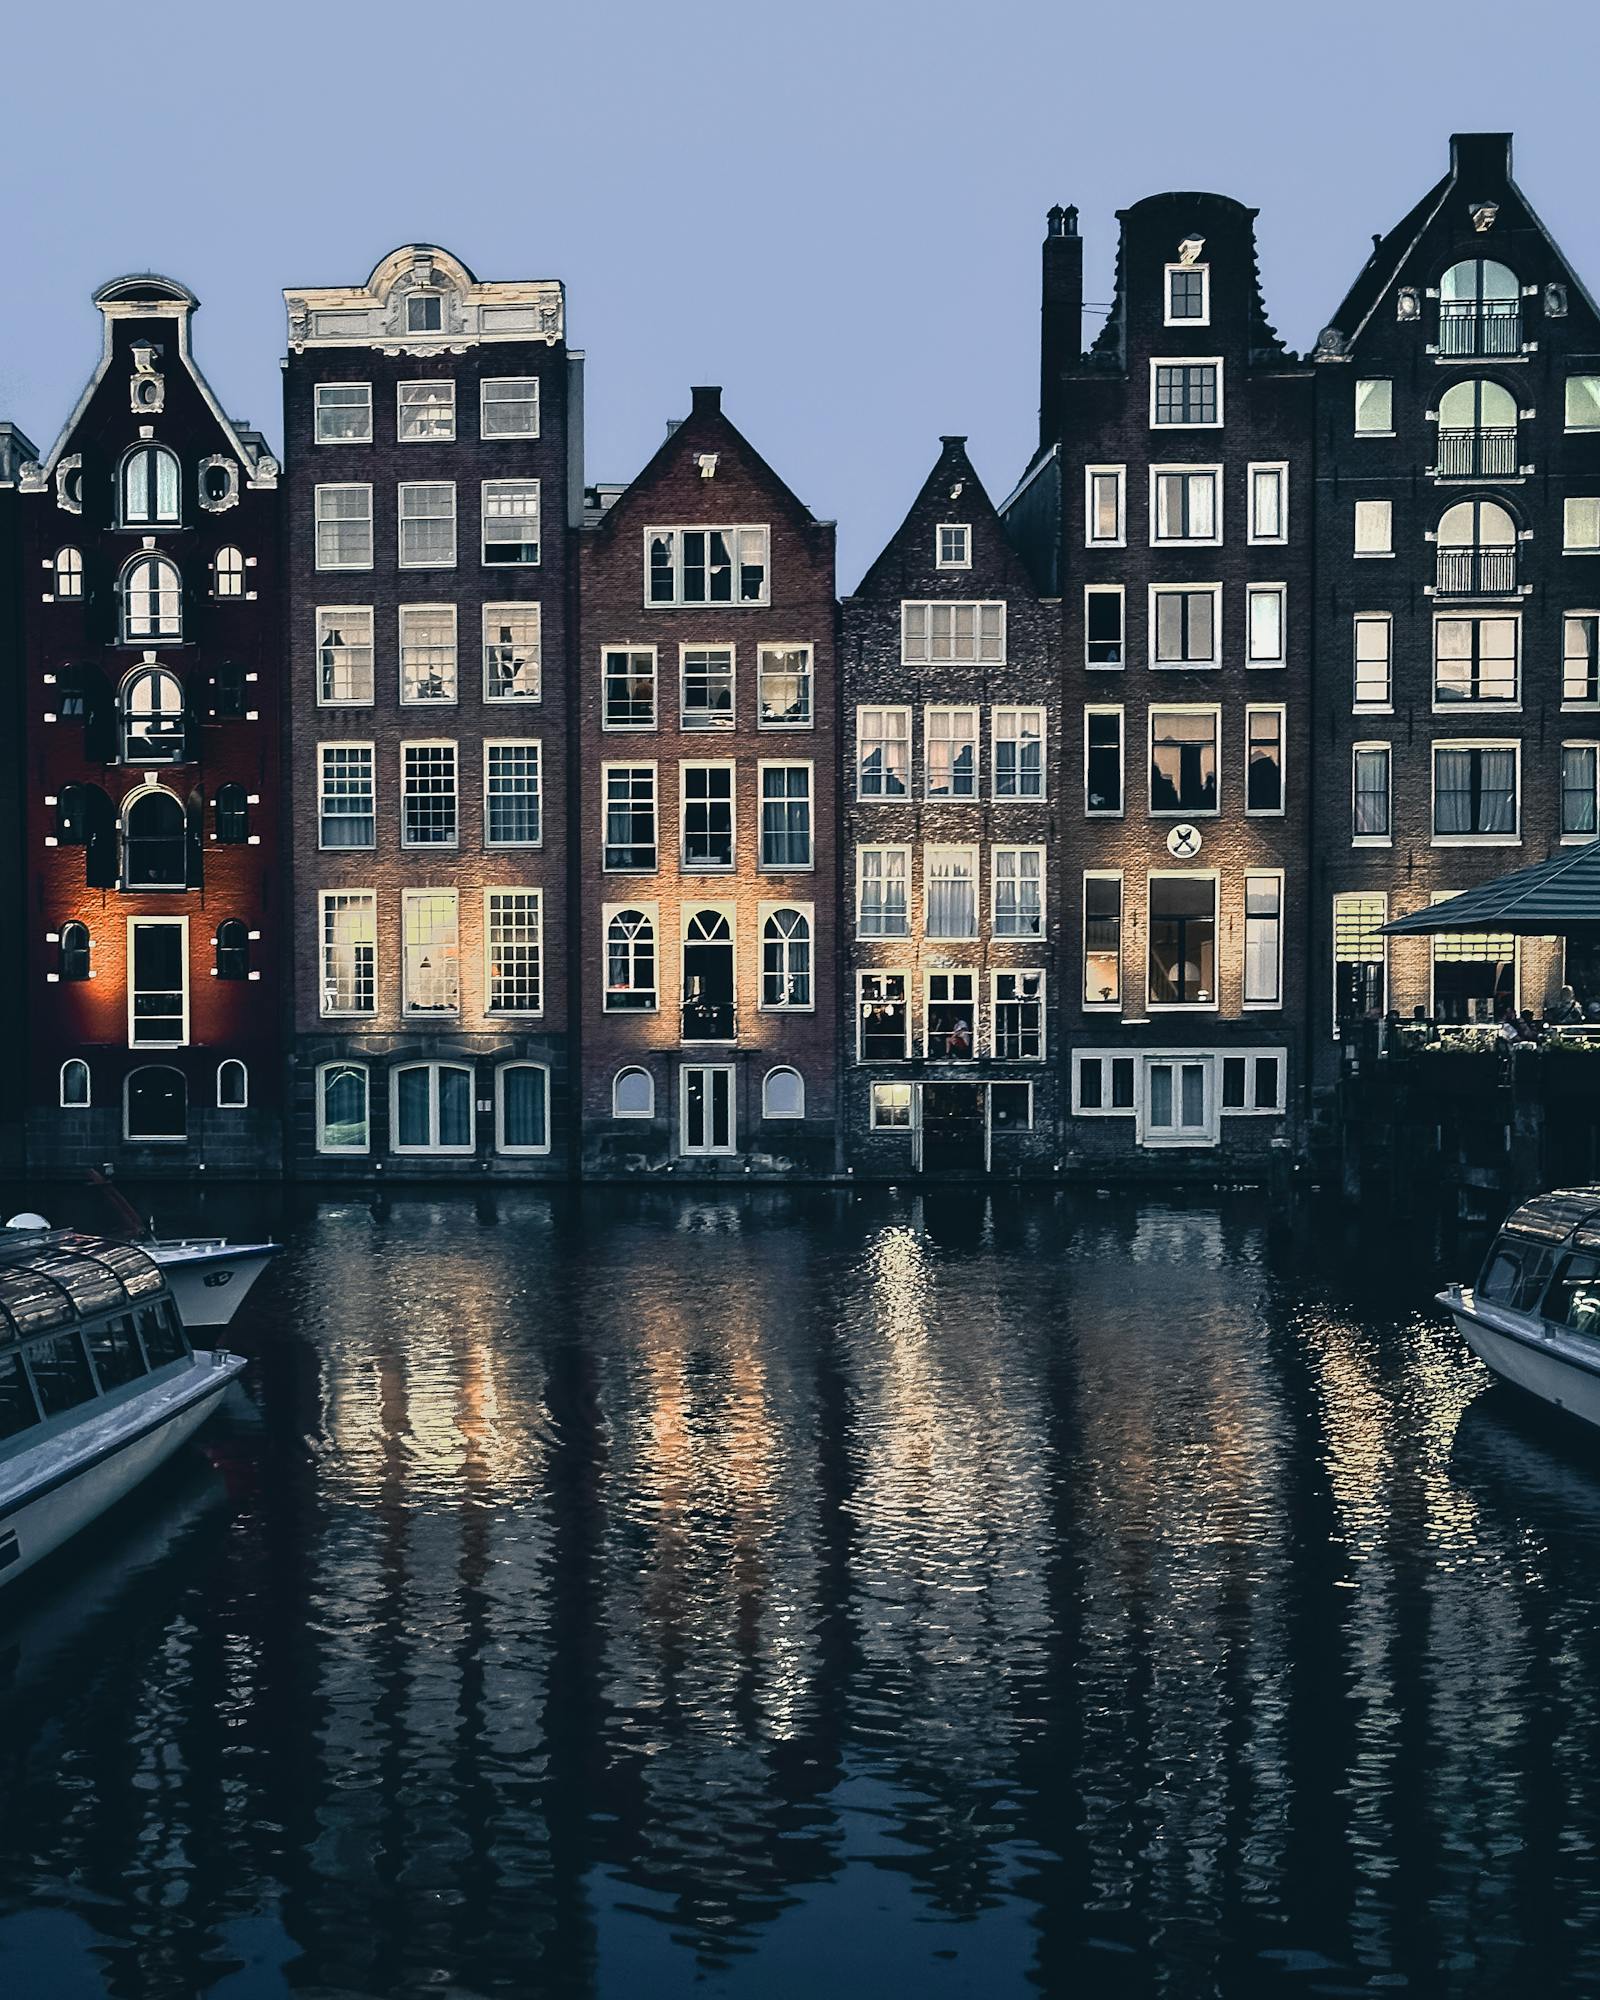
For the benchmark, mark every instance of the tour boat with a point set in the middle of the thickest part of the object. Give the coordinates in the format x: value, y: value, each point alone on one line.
x: 1534, y: 1314
x: 98, y: 1384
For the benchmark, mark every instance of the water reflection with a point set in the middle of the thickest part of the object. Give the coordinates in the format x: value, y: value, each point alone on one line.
x: 777, y: 1591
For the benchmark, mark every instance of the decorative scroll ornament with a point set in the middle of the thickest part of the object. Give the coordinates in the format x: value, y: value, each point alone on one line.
x: 1330, y: 344
x: 1189, y: 249
x: 1483, y: 215
x: 1407, y: 303
x: 1184, y: 842
x: 69, y: 484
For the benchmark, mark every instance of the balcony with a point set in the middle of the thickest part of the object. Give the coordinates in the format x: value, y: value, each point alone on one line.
x: 708, y: 1021
x: 1477, y: 454
x: 1476, y: 573
x: 1479, y: 326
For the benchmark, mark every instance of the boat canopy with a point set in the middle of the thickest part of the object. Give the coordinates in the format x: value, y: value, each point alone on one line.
x: 59, y: 1278
x: 1563, y: 1214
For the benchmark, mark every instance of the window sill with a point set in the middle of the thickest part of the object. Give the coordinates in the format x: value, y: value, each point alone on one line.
x: 1476, y: 840
x: 1372, y: 708
x: 1372, y: 555
x: 1578, y: 839
x: 1581, y: 552
x: 1371, y: 840
x: 434, y: 1152
x: 1185, y: 1006
x: 1486, y: 706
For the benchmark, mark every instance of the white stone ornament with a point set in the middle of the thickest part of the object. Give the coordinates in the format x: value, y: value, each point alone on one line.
x: 1184, y: 842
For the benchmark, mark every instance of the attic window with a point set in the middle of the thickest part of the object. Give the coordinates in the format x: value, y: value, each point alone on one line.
x: 955, y: 546
x: 1188, y: 295
x: 425, y: 313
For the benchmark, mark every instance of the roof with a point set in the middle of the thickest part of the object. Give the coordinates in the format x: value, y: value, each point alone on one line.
x: 1553, y: 1217
x: 54, y: 1279
x: 1547, y: 900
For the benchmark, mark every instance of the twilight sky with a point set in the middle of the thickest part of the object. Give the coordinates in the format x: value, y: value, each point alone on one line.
x: 832, y: 209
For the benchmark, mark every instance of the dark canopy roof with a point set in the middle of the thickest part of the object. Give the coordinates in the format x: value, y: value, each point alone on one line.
x: 1547, y: 900
x: 52, y: 1279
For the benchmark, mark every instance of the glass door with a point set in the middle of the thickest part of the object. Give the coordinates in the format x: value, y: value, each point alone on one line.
x: 1178, y: 1106
x: 707, y: 1109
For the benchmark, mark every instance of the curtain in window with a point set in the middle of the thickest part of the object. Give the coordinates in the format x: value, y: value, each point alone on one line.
x: 1498, y: 788
x: 1453, y: 792
x: 522, y: 1116
x: 952, y: 901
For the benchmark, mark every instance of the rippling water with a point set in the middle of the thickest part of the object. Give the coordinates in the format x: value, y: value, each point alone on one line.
x: 780, y: 1593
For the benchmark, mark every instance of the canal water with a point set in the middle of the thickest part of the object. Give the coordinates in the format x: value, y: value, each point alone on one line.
x: 800, y: 1593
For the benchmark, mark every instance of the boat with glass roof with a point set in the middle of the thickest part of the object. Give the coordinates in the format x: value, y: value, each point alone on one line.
x: 98, y: 1385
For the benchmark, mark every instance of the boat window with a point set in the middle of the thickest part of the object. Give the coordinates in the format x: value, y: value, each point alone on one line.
x: 1514, y: 1273
x: 114, y: 1349
x: 139, y: 1276
x: 30, y: 1302
x: 17, y: 1407
x: 163, y: 1337
x: 90, y: 1286
x: 61, y: 1374
x: 1574, y: 1296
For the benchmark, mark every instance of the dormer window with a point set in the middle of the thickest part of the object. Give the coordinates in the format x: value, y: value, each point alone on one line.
x: 425, y: 313
x: 150, y: 487
x: 955, y: 546
x: 1188, y: 295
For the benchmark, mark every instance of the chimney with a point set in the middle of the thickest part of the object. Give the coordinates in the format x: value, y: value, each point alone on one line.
x: 1061, y: 315
x: 705, y: 402
x: 1484, y: 158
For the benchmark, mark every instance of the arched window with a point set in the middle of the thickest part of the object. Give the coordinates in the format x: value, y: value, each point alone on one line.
x: 231, y: 810
x: 149, y: 487
x: 786, y: 960
x: 431, y: 1108
x: 783, y: 1094
x: 155, y: 1104
x: 75, y: 1085
x: 152, y: 718
x: 633, y: 1094
x: 233, y: 1085
x: 1477, y: 431
x: 1480, y: 309
x: 152, y: 599
x: 154, y: 841
x: 342, y: 1125
x: 69, y: 573
x: 227, y: 570
x: 522, y: 1108
x: 630, y: 963
x: 708, y: 978
x: 233, y: 950
x: 1477, y: 550
x: 74, y: 951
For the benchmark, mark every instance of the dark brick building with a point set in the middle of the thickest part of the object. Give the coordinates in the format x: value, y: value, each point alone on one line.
x: 1458, y: 629
x: 16, y: 453
x: 1171, y: 499
x: 151, y: 641
x: 432, y: 428
x: 953, y: 808
x: 708, y: 868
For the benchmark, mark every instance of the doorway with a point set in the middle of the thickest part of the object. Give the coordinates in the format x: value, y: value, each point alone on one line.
x: 955, y: 1128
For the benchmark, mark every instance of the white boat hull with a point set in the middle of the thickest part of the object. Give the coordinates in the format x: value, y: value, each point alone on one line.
x: 209, y: 1282
x: 48, y: 1494
x: 1547, y: 1366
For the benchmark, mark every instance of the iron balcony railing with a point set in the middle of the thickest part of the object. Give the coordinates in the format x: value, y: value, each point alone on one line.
x: 1476, y: 573
x: 708, y: 1021
x: 1486, y: 454
x: 1473, y: 326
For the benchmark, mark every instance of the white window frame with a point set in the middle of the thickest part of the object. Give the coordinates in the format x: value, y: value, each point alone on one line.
x: 1118, y: 591
x: 1386, y: 620
x: 1384, y: 554
x: 1102, y: 1060
x: 342, y: 1152
x: 409, y: 1012
x: 996, y: 974
x: 963, y: 560
x: 929, y: 975
x: 1568, y: 546
x: 1357, y: 427
x: 763, y: 766
x: 452, y: 845
x: 877, y: 1124
x: 650, y: 910
x: 736, y: 601
x: 501, y: 1146
x: 181, y: 925
x: 402, y: 488
x: 997, y: 848
x: 1118, y: 474
x: 242, y: 1103
x: 1280, y: 710
x: 772, y: 908
x: 433, y: 1066
x: 325, y: 897
x: 719, y: 724
x: 1103, y: 875
x: 1373, y: 839
x: 316, y: 412
x: 1354, y: 896
x: 341, y: 486
x: 685, y: 1150
x: 1569, y: 705
x: 730, y: 866
x: 633, y: 1069
x: 1276, y: 1003
x: 86, y: 1103
x: 1592, y: 746
x: 630, y: 764
x: 1019, y: 708
x: 1116, y: 709
x: 402, y: 613
x: 447, y: 401
x: 1187, y: 361
x: 340, y: 743
x: 883, y: 847
x: 907, y: 976
x: 536, y: 745
x: 523, y: 608
x: 952, y: 708
x: 1214, y: 710
x: 1280, y: 591
x: 886, y: 709
x: 1279, y: 467
x: 1485, y: 706
x: 483, y: 524
x: 485, y: 435
x: 1438, y: 743
x: 1182, y: 1007
x: 1156, y: 591
x: 607, y: 726
x: 1186, y: 471
x: 767, y: 646
x: 1252, y: 1058
x: 325, y: 614
x: 783, y: 1069
x: 941, y: 847
x: 1203, y: 318
x: 978, y: 606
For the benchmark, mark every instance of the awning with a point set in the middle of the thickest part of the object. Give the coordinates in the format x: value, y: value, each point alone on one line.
x: 1554, y: 898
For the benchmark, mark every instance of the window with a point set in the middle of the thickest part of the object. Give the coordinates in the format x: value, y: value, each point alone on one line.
x: 954, y: 544
x: 158, y: 982
x: 343, y: 413
x: 1474, y: 660
x: 1360, y: 958
x: 1102, y: 625
x: 1477, y: 550
x: 1183, y: 625
x: 425, y: 411
x: 708, y: 1010
x: 1374, y: 528
x: 1580, y: 657
x: 629, y: 678
x: 153, y: 720
x: 1017, y: 750
x: 1375, y: 406
x: 230, y: 813
x: 227, y: 573
x: 1369, y: 788
x: 68, y: 573
x: 1474, y: 973
x: 1477, y: 432
x: 891, y: 1107
x: 1183, y: 940
x: 510, y: 521
x: 427, y: 652
x: 883, y: 1017
x: 785, y: 816
x: 1263, y: 760
x: 950, y: 892
x: 425, y: 313
x: 428, y: 802
x: 1188, y: 294
x: 1580, y: 526
x: 344, y: 527
x: 1578, y: 782
x: 966, y: 634
x: 348, y: 809
x: 150, y: 485
x: 630, y: 816
x: 155, y: 1109
x: 342, y: 1125
x: 1263, y: 940
x: 74, y: 952
x: 1017, y: 1022
x: 633, y: 1094
x: 344, y: 656
x: 1583, y: 403
x: 428, y: 525
x: 1017, y: 887
x: 1102, y: 760
x: 783, y: 1094
x: 707, y: 1109
x: 1186, y: 394
x: 432, y: 965
x: 1480, y: 309
x: 786, y: 959
x: 707, y: 806
x: 508, y: 406
x: 233, y: 1085
x: 513, y: 937
x: 155, y: 841
x: 951, y: 1016
x: 1105, y: 506
x: 511, y: 794
x: 225, y: 690
x: 349, y: 951
x: 512, y: 652
x: 1267, y: 625
x: 950, y: 752
x: 1185, y: 504
x: 1372, y: 642
x: 75, y: 1092
x: 1252, y: 1082
x: 432, y: 1110
x: 1475, y: 792
x: 883, y: 752
x: 630, y: 963
x: 1183, y: 760
x: 882, y: 903
x: 706, y: 565
x: 783, y: 681
x: 152, y: 599
x: 1269, y: 503
x: 705, y: 699
x: 1089, y: 1080
x: 522, y: 1108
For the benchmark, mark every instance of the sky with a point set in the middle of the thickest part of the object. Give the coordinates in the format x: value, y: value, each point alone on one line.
x: 833, y: 210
